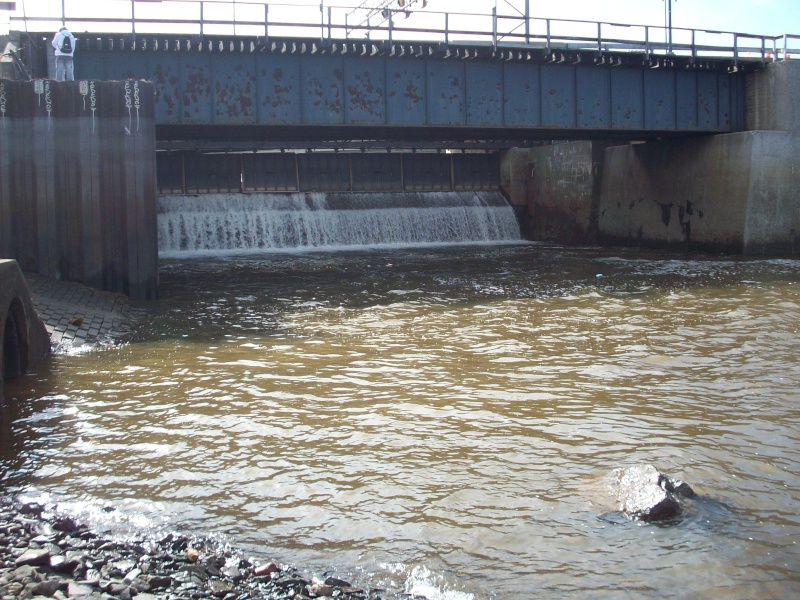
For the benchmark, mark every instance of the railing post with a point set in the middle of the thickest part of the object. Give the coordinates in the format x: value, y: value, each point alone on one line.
x: 494, y: 27
x: 202, y: 28
x: 547, y: 47
x: 527, y: 22
x: 266, y: 22
x: 785, y: 47
x: 599, y: 38
x: 763, y: 51
x: 694, y: 46
x: 321, y: 24
x: 735, y: 48
x: 329, y: 23
x: 133, y: 17
x: 446, y: 28
x: 391, y: 23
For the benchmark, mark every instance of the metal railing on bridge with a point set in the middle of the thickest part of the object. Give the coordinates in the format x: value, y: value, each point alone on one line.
x: 263, y: 20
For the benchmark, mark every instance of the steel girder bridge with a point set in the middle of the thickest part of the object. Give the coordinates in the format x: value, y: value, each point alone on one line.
x: 268, y: 77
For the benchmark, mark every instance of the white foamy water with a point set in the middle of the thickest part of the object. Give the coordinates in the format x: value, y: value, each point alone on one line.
x: 262, y: 221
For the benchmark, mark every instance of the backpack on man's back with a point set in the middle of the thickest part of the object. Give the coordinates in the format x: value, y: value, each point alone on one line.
x: 66, y: 45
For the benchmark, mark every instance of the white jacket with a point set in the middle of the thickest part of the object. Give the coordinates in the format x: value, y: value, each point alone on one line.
x: 59, y: 38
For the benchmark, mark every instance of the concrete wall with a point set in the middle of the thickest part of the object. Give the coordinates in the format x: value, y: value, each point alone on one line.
x: 772, y: 225
x: 23, y: 337
x: 77, y: 182
x: 556, y: 189
x: 772, y: 97
x: 515, y: 178
x: 737, y: 193
x: 565, y: 189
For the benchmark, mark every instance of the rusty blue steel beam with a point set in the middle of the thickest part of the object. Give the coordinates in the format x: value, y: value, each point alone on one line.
x: 360, y: 85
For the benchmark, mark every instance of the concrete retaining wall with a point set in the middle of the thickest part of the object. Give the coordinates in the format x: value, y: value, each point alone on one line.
x: 23, y: 338
x: 77, y: 182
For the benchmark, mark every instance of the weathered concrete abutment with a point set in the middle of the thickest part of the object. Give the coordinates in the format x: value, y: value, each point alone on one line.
x: 737, y: 192
x: 77, y: 182
x: 23, y: 337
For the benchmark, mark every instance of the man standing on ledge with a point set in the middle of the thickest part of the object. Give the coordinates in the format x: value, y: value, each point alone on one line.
x: 64, y: 43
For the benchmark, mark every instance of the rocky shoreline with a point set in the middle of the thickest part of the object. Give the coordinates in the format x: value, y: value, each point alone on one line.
x: 51, y: 556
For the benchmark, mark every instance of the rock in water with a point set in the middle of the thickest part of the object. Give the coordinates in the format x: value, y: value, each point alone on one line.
x: 643, y: 492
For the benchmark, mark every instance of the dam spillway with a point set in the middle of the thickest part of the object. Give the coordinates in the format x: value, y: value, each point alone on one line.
x: 221, y: 223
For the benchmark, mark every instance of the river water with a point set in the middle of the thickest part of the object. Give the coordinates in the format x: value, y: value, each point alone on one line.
x: 439, y: 420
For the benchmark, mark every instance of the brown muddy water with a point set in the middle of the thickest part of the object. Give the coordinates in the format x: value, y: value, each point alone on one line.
x: 441, y: 419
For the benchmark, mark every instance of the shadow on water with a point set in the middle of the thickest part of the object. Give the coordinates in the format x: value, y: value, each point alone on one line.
x: 21, y: 400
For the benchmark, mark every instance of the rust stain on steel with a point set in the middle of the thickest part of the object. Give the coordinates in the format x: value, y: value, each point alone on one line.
x: 282, y: 93
x: 332, y: 102
x: 161, y: 81
x: 236, y: 100
x: 198, y: 86
x: 362, y: 93
x: 315, y: 89
x: 411, y: 92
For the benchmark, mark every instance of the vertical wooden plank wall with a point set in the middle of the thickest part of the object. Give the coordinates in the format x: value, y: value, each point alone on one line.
x: 77, y: 182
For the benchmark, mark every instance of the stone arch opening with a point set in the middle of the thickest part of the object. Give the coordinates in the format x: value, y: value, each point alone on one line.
x: 15, y: 341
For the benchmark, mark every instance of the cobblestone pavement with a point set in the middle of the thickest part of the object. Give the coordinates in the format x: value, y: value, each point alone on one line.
x: 78, y: 317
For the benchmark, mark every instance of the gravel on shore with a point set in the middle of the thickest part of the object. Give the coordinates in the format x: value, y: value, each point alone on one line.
x: 45, y: 555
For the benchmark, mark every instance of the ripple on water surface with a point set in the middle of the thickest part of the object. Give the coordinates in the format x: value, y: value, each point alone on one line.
x: 446, y: 416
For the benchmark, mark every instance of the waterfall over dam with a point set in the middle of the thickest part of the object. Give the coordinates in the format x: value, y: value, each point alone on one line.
x: 323, y: 220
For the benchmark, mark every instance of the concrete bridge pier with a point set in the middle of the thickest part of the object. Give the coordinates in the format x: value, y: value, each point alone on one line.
x: 736, y: 193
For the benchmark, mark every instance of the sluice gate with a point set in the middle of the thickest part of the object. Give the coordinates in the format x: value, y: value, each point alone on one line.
x: 187, y: 172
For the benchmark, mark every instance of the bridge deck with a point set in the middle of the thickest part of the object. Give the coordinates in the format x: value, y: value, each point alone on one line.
x: 299, y: 89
